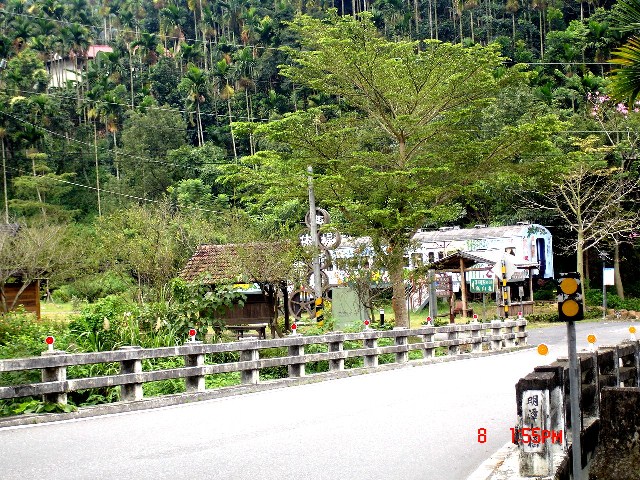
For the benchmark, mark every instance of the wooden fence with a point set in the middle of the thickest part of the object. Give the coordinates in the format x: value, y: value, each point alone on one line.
x: 337, y: 347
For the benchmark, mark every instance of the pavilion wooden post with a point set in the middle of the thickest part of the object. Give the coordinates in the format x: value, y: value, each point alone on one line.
x: 463, y: 288
x: 530, y: 285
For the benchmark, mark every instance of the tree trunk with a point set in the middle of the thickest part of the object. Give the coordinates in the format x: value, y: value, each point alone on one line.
x: 473, y: 37
x: 580, y: 258
x: 199, y: 124
x: 399, y: 298
x: 435, y: 18
x: 33, y: 166
x: 616, y: 270
x: 115, y: 156
x: 131, y: 75
x: 541, y: 35
x: 4, y: 179
x: 95, y: 151
x: 233, y: 140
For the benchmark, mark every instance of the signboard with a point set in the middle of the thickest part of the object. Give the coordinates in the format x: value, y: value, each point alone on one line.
x: 534, y: 410
x: 444, y: 285
x: 481, y: 285
x: 608, y: 276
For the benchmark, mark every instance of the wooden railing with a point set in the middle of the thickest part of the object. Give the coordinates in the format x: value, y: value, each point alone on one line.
x: 473, y: 337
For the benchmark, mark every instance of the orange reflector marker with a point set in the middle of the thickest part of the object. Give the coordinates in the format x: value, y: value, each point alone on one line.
x: 570, y: 307
x: 632, y: 329
x: 568, y: 286
x: 591, y: 338
x: 543, y: 349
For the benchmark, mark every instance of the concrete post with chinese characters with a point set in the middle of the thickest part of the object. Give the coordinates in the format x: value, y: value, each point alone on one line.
x: 539, y: 433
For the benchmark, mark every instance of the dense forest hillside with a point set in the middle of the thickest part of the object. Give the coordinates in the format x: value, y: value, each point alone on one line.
x: 158, y: 139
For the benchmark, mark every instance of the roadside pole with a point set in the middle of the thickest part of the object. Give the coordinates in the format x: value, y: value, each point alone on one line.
x: 604, y: 291
x: 574, y: 401
x: 317, y: 287
x: 570, y: 310
x: 433, y: 295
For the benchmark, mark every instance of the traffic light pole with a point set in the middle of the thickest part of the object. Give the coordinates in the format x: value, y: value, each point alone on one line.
x: 574, y: 401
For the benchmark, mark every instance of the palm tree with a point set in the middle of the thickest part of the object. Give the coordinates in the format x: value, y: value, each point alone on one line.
x: 470, y: 5
x: 189, y: 54
x: 110, y: 109
x: 625, y: 81
x: 244, y: 63
x: 53, y: 9
x: 458, y: 8
x: 172, y: 18
x: 540, y: 6
x: 195, y: 83
x: 512, y: 7
x: 22, y: 30
x: 147, y: 45
x: 226, y: 92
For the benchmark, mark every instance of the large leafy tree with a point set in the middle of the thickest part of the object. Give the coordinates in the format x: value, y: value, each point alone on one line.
x: 402, y: 144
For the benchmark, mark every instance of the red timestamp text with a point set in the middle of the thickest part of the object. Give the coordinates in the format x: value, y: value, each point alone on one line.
x: 535, y: 435
x: 525, y: 435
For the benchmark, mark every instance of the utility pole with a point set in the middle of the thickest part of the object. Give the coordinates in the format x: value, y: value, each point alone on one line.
x: 317, y: 280
x: 574, y: 400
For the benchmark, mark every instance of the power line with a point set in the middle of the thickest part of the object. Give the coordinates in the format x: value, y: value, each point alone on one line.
x: 124, y: 154
x: 127, y: 106
x: 102, y: 190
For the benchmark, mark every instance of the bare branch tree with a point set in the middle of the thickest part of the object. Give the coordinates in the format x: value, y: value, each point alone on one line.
x: 594, y: 203
x: 30, y: 254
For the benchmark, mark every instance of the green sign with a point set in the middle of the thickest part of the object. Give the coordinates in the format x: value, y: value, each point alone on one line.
x: 482, y: 285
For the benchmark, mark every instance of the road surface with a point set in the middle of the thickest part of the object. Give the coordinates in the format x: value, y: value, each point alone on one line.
x: 413, y: 423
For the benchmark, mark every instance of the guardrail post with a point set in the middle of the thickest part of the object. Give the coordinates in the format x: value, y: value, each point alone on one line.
x: 297, y: 369
x: 195, y: 383
x: 371, y: 361
x: 521, y: 332
x: 540, y: 407
x: 428, y: 352
x: 252, y: 375
x: 509, y: 336
x: 476, y: 330
x: 402, y: 340
x: 336, y: 365
x: 496, y: 328
x: 54, y: 374
x: 589, y: 397
x: 131, y: 391
x: 453, y: 335
x: 627, y: 355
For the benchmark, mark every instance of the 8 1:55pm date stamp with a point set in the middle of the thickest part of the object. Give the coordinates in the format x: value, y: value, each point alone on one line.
x: 528, y: 436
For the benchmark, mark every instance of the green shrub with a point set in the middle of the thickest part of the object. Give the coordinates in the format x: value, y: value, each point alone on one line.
x: 101, y: 326
x: 543, y: 317
x: 546, y: 292
x: 32, y: 406
x: 93, y: 287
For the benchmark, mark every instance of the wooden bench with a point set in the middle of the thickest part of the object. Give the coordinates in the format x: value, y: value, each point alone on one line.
x: 457, y: 310
x: 261, y: 328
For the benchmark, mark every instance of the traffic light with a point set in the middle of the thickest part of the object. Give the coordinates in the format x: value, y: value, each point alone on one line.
x: 570, y: 303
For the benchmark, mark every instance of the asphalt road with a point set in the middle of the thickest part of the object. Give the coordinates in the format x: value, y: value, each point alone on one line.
x: 413, y: 423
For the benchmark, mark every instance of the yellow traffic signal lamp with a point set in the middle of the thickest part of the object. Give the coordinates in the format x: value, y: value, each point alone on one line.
x: 570, y: 302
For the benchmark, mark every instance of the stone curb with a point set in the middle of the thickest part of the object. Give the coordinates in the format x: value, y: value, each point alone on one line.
x: 497, y: 466
x: 182, y: 398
